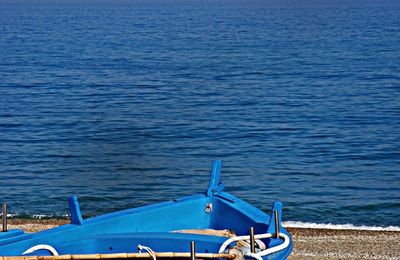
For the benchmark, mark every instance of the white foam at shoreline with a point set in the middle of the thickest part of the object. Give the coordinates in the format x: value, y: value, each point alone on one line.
x: 298, y: 224
x: 36, y: 216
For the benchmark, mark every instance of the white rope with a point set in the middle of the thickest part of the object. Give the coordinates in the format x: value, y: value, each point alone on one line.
x: 258, y: 255
x: 41, y: 247
x: 148, y: 250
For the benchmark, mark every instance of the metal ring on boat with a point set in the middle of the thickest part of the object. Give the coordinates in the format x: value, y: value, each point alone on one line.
x: 258, y: 255
x: 41, y: 247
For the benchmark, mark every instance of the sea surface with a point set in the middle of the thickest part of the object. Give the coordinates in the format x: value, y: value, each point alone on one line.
x: 126, y: 103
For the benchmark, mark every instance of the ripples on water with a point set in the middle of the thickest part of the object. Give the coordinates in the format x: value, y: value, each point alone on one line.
x: 127, y: 104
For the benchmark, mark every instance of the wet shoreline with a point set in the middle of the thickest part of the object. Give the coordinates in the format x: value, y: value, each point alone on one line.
x: 309, y: 243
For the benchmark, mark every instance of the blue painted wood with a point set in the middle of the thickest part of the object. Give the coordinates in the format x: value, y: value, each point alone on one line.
x: 157, y: 241
x: 215, y: 185
x: 272, y: 227
x: 75, y: 211
x: 11, y: 233
x: 14, y: 239
x: 276, y: 207
x: 153, y: 226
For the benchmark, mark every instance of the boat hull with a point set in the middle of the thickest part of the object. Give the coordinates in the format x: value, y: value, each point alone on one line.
x: 160, y: 227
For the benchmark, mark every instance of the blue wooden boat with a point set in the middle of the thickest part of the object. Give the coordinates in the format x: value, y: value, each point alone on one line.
x: 214, y: 224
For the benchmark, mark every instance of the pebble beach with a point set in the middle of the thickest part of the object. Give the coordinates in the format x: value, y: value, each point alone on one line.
x: 309, y: 243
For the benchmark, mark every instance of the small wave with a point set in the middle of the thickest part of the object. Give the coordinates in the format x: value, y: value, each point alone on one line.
x: 40, y: 216
x: 298, y: 224
x: 36, y: 216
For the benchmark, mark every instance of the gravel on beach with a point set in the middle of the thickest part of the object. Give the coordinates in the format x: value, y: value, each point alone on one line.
x: 344, y: 244
x: 314, y: 244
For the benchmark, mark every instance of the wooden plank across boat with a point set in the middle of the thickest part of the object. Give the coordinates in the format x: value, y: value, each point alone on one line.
x: 211, y: 225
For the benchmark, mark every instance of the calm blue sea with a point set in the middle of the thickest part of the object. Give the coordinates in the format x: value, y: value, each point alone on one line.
x: 127, y: 103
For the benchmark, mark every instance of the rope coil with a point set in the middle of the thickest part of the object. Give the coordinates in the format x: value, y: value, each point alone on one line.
x: 260, y: 254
